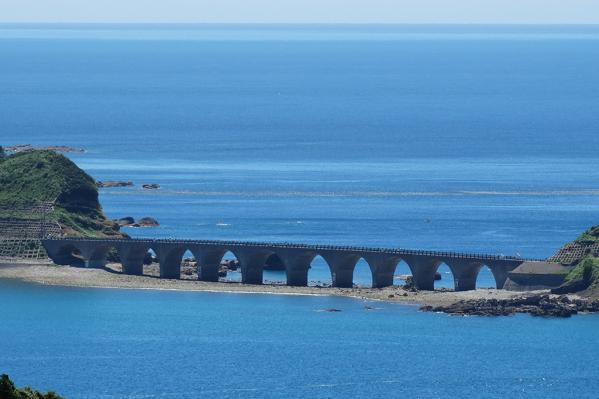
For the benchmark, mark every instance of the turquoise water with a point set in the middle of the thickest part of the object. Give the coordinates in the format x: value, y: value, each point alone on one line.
x: 480, y: 139
x: 101, y: 343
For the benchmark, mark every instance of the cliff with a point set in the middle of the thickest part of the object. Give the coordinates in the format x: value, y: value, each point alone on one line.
x: 583, y: 253
x: 31, y: 177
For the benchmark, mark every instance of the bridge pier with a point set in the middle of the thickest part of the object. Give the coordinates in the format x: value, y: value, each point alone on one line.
x: 132, y: 258
x: 93, y: 256
x: 464, y: 272
x: 208, y: 263
x: 252, y: 264
x: 500, y: 270
x: 169, y: 257
x: 423, y: 271
x: 297, y: 264
x: 382, y: 268
x: 342, y: 268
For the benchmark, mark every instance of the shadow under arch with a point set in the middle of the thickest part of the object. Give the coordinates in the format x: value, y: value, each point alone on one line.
x: 275, y: 271
x: 68, y: 255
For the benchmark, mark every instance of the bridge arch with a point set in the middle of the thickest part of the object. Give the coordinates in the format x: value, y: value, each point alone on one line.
x: 275, y: 270
x: 444, y: 276
x: 402, y: 273
x: 364, y: 274
x: 67, y: 253
x: 319, y: 273
x: 485, y: 278
x: 230, y: 260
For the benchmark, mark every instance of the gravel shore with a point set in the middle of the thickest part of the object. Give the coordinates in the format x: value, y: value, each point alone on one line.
x: 112, y: 278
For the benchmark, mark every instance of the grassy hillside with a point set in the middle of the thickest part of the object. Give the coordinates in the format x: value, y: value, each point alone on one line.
x: 591, y: 236
x: 9, y: 391
x: 32, y: 177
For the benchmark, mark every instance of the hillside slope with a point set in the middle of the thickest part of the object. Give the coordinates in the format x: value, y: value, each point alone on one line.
x: 32, y: 177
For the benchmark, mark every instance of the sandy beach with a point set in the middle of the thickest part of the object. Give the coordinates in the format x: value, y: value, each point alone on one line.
x: 112, y: 278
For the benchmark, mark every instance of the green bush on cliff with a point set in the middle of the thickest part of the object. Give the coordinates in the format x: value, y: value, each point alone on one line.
x: 587, y: 270
x: 9, y: 391
x: 32, y: 177
x: 591, y: 236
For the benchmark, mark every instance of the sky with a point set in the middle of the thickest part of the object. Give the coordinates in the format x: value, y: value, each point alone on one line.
x: 303, y: 11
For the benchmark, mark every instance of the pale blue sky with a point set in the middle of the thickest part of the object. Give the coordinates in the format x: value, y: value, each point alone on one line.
x: 327, y: 11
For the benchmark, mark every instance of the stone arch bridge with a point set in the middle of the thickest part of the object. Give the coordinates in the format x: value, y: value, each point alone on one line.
x: 252, y: 257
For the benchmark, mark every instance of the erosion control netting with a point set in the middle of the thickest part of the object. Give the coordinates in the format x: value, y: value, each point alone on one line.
x: 572, y: 253
x: 21, y: 230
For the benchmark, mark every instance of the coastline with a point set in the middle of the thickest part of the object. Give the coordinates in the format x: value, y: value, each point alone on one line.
x: 47, y: 274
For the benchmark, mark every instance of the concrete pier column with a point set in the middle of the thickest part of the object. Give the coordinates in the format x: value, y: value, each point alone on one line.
x: 297, y: 264
x: 208, y: 262
x: 382, y: 268
x: 342, y: 268
x: 94, y: 255
x: 252, y: 262
x: 500, y: 270
x: 423, y: 270
x: 464, y: 272
x: 132, y: 258
x: 170, y: 257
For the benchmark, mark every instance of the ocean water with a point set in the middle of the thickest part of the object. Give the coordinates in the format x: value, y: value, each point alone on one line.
x: 99, y: 343
x: 478, y: 138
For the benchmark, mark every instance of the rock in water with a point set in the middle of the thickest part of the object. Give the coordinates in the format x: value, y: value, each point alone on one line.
x: 126, y: 221
x: 102, y: 184
x: 152, y: 186
x: 147, y: 222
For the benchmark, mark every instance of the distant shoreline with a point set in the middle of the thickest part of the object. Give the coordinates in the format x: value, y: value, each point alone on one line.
x: 108, y: 278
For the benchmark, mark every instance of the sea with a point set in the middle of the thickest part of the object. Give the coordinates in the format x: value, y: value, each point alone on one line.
x: 472, y: 138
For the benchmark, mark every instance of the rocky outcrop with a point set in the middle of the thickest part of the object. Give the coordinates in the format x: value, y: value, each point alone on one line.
x: 536, y: 305
x: 103, y: 184
x: 126, y: 221
x: 148, y: 222
x: 152, y: 186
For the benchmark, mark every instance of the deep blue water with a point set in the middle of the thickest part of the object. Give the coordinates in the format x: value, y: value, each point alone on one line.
x: 96, y: 343
x: 475, y: 138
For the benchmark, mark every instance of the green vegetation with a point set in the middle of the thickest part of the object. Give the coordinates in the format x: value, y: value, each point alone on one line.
x: 591, y: 236
x: 2, y: 153
x: 31, y: 177
x: 9, y: 391
x: 587, y: 270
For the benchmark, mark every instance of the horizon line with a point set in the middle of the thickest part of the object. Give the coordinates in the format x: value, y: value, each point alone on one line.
x: 297, y: 23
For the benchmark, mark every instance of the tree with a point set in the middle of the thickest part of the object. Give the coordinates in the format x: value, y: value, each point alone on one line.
x: 2, y: 153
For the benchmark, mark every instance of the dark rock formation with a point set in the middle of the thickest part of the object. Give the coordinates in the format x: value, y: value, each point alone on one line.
x: 536, y: 305
x: 126, y: 221
x: 437, y: 276
x: 147, y: 222
x: 152, y: 186
x: 231, y: 265
x: 102, y: 184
